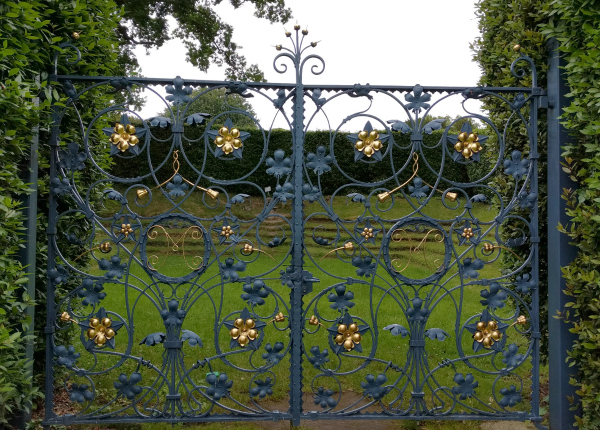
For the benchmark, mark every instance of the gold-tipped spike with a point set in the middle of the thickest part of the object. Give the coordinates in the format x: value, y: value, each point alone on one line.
x: 451, y: 196
x: 105, y: 248
x: 297, y: 27
x: 521, y: 320
x: 249, y: 249
x: 384, y: 196
x: 313, y: 320
x: 280, y: 317
x: 76, y: 35
x: 213, y: 194
x: 141, y: 192
x: 348, y: 246
x: 517, y: 48
x: 278, y: 47
x: 488, y: 247
x: 288, y: 34
x: 66, y: 317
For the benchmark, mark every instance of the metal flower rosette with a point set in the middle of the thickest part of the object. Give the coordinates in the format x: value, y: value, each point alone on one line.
x: 207, y: 299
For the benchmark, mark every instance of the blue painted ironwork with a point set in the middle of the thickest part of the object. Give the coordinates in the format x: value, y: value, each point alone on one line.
x: 252, y: 325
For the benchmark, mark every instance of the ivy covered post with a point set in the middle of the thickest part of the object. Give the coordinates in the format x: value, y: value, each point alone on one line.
x: 562, y: 393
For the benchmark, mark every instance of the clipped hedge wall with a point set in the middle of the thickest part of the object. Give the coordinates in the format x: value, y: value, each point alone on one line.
x: 31, y: 34
x: 576, y: 26
x: 282, y: 139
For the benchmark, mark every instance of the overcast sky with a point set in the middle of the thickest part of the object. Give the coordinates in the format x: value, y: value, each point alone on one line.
x: 391, y: 42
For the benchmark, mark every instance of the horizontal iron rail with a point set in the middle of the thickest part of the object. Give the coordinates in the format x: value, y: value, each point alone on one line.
x: 272, y: 85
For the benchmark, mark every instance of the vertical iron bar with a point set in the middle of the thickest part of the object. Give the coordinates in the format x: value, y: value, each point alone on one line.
x: 50, y: 316
x: 296, y: 324
x: 535, y: 263
x: 561, y: 252
x: 27, y: 255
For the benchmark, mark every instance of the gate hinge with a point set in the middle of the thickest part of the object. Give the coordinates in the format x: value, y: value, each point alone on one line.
x: 307, y: 281
x: 544, y: 102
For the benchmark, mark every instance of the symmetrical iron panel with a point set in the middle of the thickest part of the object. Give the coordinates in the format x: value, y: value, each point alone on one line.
x: 210, y: 299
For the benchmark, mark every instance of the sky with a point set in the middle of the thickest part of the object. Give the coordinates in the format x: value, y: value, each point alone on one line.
x: 385, y: 42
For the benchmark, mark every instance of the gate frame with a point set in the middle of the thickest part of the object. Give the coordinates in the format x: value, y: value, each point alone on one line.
x: 560, y: 338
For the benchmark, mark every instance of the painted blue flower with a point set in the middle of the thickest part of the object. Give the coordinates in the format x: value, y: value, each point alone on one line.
x: 417, y: 100
x: 284, y: 192
x: 128, y: 386
x: 280, y: 165
x: 470, y: 267
x: 511, y: 358
x: 436, y: 334
x: 419, y: 190
x: 374, y: 386
x: 365, y: 266
x: 192, y: 338
x: 417, y: 312
x: 397, y: 329
x: 113, y: 267
x: 325, y: 398
x: 263, y: 388
x: 58, y: 275
x: 154, y: 339
x: 80, y: 393
x: 510, y: 396
x: 319, y: 162
x: 177, y: 93
x: 230, y: 269
x: 341, y: 299
x: 316, y: 97
x: 494, y: 297
x: 173, y: 316
x: 178, y: 187
x: 466, y: 386
x: 66, y: 356
x: 60, y: 187
x: 218, y: 386
x: 525, y: 283
x: 273, y: 354
x: 72, y: 159
x: 516, y: 166
x: 527, y: 201
x: 255, y: 293
x: 319, y: 357
x: 310, y: 193
x: 91, y: 292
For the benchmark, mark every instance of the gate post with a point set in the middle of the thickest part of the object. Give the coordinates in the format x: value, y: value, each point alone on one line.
x: 561, y: 252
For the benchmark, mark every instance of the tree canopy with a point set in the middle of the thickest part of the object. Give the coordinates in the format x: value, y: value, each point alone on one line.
x: 207, y: 37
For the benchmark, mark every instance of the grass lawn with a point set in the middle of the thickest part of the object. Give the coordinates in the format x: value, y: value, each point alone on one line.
x: 376, y: 302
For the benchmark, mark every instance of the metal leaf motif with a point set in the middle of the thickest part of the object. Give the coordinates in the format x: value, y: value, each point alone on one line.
x: 471, y: 266
x: 173, y: 316
x: 466, y: 386
x: 510, y: 397
x: 160, y: 121
x: 341, y: 299
x: 80, y: 393
x: 418, y: 190
x: 278, y: 103
x: 192, y: 338
x: 60, y: 187
x: 511, y: 358
x: 400, y: 126
x: 357, y: 198
x: 310, y: 193
x: 284, y: 192
x: 197, y: 118
x: 436, y: 124
x: 239, y: 198
x: 324, y: 398
x: 113, y: 268
x: 494, y: 297
x: 319, y: 358
x: 374, y: 386
x: 364, y: 266
x: 397, y: 329
x: 255, y: 293
x: 91, y: 292
x: 154, y: 339
x: 436, y: 334
x: 128, y: 386
x: 219, y: 386
x: 230, y: 269
x: 66, y: 356
x: 273, y: 354
x: 525, y: 283
x: 417, y: 100
x: 263, y: 388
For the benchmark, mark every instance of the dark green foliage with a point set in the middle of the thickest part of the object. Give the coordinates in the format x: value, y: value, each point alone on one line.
x: 282, y: 139
x: 576, y: 26
x: 206, y: 35
x: 31, y: 33
x: 503, y: 25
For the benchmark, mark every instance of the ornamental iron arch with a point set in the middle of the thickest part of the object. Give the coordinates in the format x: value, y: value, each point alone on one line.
x: 383, y: 298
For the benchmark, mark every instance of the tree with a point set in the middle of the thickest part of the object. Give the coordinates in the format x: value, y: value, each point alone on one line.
x: 218, y: 101
x: 207, y: 37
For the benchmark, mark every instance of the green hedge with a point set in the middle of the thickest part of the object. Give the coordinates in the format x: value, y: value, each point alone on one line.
x: 282, y: 139
x: 31, y: 33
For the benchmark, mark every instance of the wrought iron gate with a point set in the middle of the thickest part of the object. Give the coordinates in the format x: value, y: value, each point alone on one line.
x: 372, y: 277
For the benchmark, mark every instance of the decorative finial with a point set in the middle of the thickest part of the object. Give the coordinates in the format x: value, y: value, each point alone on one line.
x: 297, y: 27
x: 517, y: 48
x: 278, y: 47
x: 75, y: 35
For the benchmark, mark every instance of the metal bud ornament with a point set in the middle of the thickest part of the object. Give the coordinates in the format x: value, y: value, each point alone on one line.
x: 124, y: 137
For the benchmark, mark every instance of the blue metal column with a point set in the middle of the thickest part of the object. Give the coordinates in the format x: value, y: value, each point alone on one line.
x: 296, y: 323
x: 561, y: 252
